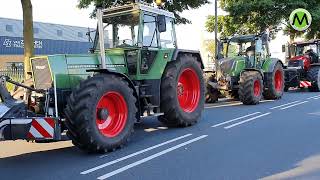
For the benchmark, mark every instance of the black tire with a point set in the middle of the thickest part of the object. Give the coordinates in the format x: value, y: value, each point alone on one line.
x: 286, y: 88
x: 272, y: 90
x: 174, y: 115
x: 81, y: 113
x: 247, y: 93
x: 211, y: 94
x: 314, y: 77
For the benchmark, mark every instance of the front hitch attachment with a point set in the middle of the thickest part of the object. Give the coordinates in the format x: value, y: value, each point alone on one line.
x: 16, y: 122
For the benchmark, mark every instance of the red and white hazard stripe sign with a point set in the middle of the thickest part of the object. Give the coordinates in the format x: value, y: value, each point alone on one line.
x: 305, y: 84
x: 41, y: 128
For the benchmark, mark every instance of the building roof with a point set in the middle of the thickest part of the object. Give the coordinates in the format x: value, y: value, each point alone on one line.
x: 14, y: 28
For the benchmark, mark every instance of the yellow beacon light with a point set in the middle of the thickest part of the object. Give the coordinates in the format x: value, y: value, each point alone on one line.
x: 158, y: 2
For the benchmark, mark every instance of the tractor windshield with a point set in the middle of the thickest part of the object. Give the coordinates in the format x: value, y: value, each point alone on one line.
x: 301, y: 49
x: 120, y: 31
x: 238, y: 49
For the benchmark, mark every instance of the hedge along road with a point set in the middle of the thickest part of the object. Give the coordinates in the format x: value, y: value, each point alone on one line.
x: 275, y: 139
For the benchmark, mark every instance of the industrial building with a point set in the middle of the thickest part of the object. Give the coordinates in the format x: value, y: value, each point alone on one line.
x: 48, y: 39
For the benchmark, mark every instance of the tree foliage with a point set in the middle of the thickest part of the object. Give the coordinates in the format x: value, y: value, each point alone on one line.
x: 177, y: 6
x: 254, y: 16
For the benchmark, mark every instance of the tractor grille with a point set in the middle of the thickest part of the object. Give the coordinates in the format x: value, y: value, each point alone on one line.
x: 41, y: 73
x: 295, y: 63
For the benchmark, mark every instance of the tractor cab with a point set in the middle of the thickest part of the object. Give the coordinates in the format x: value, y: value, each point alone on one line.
x: 136, y: 26
x: 251, y: 49
x: 139, y: 32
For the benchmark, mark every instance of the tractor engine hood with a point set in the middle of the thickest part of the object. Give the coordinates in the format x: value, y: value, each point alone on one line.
x: 304, y: 61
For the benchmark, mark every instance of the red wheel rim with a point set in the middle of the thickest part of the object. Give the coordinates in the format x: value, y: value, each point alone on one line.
x: 116, y: 107
x: 278, y: 81
x: 188, y: 90
x: 256, y: 88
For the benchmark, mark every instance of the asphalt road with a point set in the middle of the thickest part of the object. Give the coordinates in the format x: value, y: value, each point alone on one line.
x: 272, y: 140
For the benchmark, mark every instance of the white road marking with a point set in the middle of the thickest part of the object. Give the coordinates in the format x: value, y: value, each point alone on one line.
x: 224, y: 105
x: 294, y: 105
x: 284, y: 105
x: 248, y: 120
x: 318, y: 96
x: 129, y: 166
x: 132, y: 155
x: 315, y: 113
x: 103, y: 156
x: 242, y: 117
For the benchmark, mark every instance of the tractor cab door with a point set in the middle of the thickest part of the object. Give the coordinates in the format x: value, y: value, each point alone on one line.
x: 158, y: 41
x: 150, y: 43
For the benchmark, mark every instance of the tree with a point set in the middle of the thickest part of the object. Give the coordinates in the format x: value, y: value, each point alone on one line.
x: 27, y: 35
x: 176, y: 6
x: 248, y: 17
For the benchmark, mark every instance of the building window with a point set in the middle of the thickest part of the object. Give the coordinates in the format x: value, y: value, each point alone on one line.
x: 36, y: 30
x: 9, y: 28
x: 59, y: 32
x: 80, y: 34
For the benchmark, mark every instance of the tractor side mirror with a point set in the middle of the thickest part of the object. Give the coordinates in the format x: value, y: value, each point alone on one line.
x: 283, y: 48
x: 162, y: 25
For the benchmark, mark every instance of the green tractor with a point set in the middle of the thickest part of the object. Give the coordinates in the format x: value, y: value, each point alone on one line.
x: 247, y: 72
x: 135, y: 70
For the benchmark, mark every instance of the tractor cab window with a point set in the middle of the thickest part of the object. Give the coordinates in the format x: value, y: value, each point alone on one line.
x: 150, y: 38
x: 122, y: 31
x: 303, y: 49
x: 167, y: 39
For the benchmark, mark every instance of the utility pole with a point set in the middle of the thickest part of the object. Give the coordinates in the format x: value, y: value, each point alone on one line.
x: 216, y: 38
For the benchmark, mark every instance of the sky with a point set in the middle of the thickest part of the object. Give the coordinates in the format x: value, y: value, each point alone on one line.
x: 65, y: 12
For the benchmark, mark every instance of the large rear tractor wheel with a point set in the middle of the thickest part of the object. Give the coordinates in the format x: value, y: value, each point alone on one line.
x: 101, y: 113
x: 275, y: 87
x: 314, y: 77
x: 250, y: 89
x: 182, y: 92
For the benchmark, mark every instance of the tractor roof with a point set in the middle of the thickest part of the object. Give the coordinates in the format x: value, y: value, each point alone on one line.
x: 135, y: 7
x: 243, y: 38
x: 313, y: 41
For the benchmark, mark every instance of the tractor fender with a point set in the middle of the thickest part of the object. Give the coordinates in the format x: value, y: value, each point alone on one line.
x: 125, y: 77
x: 252, y: 69
x: 269, y: 68
x: 179, y: 52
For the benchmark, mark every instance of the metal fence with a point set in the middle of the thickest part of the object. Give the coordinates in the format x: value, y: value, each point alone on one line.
x: 16, y: 74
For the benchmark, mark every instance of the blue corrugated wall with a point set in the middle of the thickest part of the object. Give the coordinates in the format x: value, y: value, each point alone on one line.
x: 14, y: 46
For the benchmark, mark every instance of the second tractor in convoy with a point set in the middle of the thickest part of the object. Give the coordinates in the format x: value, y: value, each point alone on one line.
x: 247, y: 72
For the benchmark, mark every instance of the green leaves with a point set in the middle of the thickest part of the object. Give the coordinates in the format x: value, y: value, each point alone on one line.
x: 254, y: 16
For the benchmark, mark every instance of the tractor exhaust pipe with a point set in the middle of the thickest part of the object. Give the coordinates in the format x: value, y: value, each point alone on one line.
x: 101, y: 38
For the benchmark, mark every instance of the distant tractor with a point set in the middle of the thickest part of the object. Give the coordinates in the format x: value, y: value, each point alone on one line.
x: 303, y: 66
x: 247, y: 72
x: 97, y: 98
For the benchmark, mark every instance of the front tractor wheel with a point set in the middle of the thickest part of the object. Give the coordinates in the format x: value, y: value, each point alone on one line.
x: 275, y: 85
x: 314, y: 77
x: 250, y: 89
x: 182, y: 92
x: 101, y: 113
